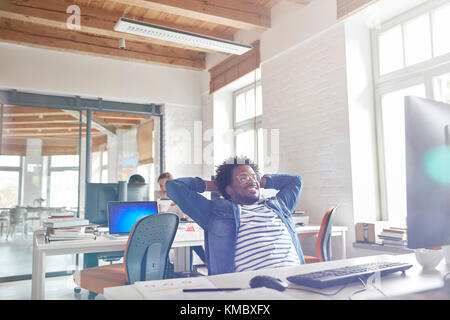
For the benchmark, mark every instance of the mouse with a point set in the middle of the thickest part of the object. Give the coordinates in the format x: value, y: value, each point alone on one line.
x: 268, y: 282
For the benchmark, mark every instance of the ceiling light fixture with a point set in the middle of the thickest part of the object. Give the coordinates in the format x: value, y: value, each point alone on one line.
x: 179, y: 36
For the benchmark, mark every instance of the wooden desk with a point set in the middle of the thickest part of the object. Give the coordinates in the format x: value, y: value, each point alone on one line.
x: 394, y: 285
x: 182, y: 242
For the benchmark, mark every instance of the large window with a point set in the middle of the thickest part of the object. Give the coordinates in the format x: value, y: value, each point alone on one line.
x: 63, y: 176
x: 10, y: 177
x: 412, y: 57
x: 247, y: 123
x: 99, y: 167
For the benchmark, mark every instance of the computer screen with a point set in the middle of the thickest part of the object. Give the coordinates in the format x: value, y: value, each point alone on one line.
x: 97, y: 197
x: 99, y: 194
x: 123, y: 215
x: 138, y: 192
x: 427, y: 140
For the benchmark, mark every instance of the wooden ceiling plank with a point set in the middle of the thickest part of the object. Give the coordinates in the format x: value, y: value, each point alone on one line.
x: 92, y: 20
x: 304, y: 2
x: 73, y: 41
x: 96, y: 124
x: 234, y: 13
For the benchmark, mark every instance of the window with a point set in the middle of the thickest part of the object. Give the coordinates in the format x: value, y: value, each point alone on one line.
x: 99, y: 167
x: 247, y: 117
x: 63, y: 186
x: 10, y: 176
x: 404, y: 43
x: 414, y: 40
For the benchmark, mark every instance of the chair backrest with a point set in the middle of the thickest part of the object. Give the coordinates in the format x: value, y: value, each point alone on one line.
x: 148, y: 247
x: 323, y: 244
x: 17, y: 215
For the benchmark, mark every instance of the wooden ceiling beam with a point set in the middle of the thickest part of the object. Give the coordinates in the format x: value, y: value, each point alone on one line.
x: 38, y: 119
x: 92, y: 20
x: 35, y: 126
x: 304, y: 2
x: 233, y: 13
x: 73, y: 41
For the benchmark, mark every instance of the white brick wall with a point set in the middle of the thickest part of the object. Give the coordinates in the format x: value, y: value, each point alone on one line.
x: 305, y: 97
x: 183, y: 148
x: 208, y: 139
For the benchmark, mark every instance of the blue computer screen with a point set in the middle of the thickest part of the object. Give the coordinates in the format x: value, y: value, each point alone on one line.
x: 123, y: 215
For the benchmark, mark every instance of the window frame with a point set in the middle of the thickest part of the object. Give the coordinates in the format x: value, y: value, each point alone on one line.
x: 247, y: 124
x: 20, y: 170
x: 420, y: 73
x: 51, y: 169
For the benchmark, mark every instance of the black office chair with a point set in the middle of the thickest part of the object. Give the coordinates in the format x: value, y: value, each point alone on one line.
x: 145, y: 258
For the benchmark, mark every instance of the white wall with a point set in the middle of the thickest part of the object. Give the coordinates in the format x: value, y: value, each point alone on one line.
x: 305, y: 97
x: 361, y: 108
x: 36, y: 69
x: 55, y: 72
x: 183, y: 140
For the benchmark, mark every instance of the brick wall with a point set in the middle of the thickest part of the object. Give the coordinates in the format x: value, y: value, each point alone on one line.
x: 305, y: 97
x: 183, y: 142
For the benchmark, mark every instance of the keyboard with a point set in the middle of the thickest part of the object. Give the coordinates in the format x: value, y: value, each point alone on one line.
x: 343, y: 275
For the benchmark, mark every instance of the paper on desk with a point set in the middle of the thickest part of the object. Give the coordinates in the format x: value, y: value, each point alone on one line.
x: 165, y: 289
x: 172, y: 290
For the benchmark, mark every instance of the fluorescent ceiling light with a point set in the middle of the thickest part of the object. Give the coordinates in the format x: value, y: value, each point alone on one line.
x: 188, y: 38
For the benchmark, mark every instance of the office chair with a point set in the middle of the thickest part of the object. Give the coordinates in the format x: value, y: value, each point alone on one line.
x: 16, y: 217
x: 145, y: 257
x: 323, y: 242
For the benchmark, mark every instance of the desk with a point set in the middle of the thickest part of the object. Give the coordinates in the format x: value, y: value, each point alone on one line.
x: 182, y: 243
x: 393, y: 285
x: 183, y: 240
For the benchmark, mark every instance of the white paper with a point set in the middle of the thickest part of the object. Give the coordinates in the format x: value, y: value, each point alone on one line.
x: 172, y: 290
x: 168, y: 289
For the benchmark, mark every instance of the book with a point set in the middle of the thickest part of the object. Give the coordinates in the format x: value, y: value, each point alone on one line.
x: 395, y: 230
x: 396, y: 243
x: 392, y: 235
x: 60, y: 223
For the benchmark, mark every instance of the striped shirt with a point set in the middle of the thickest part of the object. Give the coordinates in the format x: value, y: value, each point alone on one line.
x: 263, y: 240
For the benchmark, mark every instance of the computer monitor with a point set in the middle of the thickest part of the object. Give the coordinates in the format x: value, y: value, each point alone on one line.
x: 97, y: 197
x: 99, y: 194
x: 123, y: 215
x: 427, y: 140
x: 138, y: 192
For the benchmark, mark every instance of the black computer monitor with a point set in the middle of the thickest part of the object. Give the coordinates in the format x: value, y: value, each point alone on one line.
x: 99, y: 194
x: 138, y: 192
x: 427, y: 140
x: 97, y: 197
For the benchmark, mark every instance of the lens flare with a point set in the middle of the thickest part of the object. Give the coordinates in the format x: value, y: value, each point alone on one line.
x: 436, y: 162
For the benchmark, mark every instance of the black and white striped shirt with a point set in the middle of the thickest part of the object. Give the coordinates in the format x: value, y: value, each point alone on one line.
x: 263, y: 240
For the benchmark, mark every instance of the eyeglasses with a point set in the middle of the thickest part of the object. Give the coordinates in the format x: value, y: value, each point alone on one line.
x: 244, y: 178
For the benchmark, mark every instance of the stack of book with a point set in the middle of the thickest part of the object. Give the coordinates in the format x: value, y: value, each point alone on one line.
x: 68, y: 228
x: 393, y: 237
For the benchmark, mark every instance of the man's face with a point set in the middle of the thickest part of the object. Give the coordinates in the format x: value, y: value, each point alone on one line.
x: 244, y: 187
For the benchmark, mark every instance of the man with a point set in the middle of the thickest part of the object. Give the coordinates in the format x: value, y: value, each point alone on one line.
x: 243, y: 232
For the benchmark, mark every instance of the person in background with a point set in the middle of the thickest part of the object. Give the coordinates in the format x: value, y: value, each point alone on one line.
x: 243, y: 231
x: 173, y: 208
x: 136, y: 179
